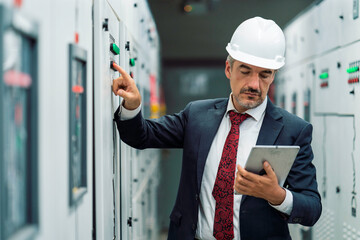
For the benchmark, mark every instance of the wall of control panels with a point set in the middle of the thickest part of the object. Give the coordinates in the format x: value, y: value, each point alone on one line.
x: 64, y: 172
x: 320, y: 83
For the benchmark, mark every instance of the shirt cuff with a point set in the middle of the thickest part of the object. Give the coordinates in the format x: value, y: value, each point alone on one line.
x: 126, y: 114
x: 287, y: 205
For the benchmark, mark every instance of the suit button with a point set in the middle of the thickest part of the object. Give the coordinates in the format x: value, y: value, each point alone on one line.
x: 194, y: 226
x: 296, y: 220
x: 197, y: 197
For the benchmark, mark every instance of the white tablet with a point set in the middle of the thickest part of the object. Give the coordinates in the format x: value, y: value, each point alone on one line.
x: 281, y: 158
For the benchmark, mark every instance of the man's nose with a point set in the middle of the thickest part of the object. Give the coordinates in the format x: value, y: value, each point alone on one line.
x: 254, y: 81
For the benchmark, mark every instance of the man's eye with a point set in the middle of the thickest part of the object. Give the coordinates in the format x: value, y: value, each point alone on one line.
x: 245, y: 72
x: 264, y: 76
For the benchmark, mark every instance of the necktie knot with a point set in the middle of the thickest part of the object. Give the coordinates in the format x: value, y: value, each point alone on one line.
x: 237, y: 118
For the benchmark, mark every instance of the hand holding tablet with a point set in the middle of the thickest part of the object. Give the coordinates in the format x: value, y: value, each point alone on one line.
x: 281, y: 159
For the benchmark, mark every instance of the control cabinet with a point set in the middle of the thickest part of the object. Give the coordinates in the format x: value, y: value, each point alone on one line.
x: 330, y: 90
x: 64, y: 173
x: 107, y: 150
x: 19, y: 207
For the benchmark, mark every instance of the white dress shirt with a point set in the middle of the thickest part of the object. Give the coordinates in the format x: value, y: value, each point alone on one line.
x: 249, y: 132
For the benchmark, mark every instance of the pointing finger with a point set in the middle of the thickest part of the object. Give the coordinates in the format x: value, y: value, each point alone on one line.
x: 122, y: 71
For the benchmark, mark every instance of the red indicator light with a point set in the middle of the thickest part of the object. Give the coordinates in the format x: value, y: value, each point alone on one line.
x: 153, y: 90
x: 353, y: 80
x: 131, y: 74
x: 17, y: 3
x: 77, y: 89
x: 76, y: 37
x: 17, y: 79
x: 324, y: 84
x: 306, y: 104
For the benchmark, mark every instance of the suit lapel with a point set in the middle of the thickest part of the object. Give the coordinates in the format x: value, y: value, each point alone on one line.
x: 270, y: 129
x: 209, y: 128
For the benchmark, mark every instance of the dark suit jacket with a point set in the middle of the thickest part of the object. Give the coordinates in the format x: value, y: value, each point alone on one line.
x: 193, y: 129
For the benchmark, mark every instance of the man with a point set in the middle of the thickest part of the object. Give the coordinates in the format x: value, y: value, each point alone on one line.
x: 215, y: 137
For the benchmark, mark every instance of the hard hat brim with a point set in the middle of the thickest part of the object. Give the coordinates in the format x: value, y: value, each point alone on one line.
x: 275, y: 64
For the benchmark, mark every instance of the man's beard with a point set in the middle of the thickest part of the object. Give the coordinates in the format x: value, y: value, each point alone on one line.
x: 251, y: 104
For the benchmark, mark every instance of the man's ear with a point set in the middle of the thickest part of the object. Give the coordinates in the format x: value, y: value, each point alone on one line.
x: 273, y: 77
x: 227, y: 70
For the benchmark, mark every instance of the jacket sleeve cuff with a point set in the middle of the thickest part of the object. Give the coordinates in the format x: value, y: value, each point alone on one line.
x: 125, y: 114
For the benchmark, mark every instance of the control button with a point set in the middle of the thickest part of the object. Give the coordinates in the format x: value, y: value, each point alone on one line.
x: 132, y: 62
x: 324, y: 84
x: 353, y: 80
x: 112, y: 65
x: 131, y: 74
x: 114, y: 49
x: 197, y: 197
x: 324, y: 75
x: 353, y: 69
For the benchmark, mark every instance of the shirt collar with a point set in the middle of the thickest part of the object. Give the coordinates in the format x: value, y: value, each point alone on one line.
x: 255, y: 113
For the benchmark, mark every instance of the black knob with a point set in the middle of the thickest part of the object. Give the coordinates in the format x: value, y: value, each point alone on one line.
x: 105, y: 25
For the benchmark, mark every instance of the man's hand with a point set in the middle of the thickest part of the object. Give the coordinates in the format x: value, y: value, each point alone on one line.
x: 265, y: 186
x: 125, y: 87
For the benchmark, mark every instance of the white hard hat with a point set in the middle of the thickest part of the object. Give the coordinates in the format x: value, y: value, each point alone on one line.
x: 259, y: 42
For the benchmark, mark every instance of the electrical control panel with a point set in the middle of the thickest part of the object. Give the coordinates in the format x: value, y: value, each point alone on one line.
x: 77, y: 123
x: 107, y: 149
x: 18, y: 124
x: 330, y: 99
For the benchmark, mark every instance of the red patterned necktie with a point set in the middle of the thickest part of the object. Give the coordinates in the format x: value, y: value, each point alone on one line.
x: 223, y: 191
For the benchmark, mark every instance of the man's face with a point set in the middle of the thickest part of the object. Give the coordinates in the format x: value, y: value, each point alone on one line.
x: 249, y: 84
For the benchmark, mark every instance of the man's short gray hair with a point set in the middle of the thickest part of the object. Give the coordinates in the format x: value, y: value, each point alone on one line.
x: 230, y: 60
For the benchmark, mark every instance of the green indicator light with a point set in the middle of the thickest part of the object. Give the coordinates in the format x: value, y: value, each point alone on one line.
x: 114, y: 49
x: 353, y: 69
x: 132, y: 62
x: 324, y: 75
